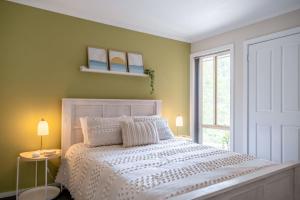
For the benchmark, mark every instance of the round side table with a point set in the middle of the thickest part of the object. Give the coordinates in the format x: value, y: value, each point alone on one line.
x: 43, y: 192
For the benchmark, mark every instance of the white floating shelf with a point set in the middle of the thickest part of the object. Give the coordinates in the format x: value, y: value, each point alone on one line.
x: 85, y: 69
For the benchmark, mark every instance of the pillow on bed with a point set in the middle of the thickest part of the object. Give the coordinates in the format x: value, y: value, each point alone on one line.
x: 102, y: 131
x: 139, y: 133
x: 163, y: 129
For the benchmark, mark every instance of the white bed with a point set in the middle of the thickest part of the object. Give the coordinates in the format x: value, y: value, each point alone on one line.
x: 171, y: 169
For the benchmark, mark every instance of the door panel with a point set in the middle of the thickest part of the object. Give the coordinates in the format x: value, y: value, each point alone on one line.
x: 274, y: 99
x: 290, y: 143
x: 290, y: 78
x: 264, y: 80
x: 264, y: 140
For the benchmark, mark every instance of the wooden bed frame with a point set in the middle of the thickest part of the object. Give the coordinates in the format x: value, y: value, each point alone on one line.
x: 279, y: 182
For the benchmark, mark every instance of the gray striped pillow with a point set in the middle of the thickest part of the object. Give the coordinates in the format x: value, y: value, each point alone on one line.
x: 139, y: 133
x: 98, y: 131
x: 164, y: 131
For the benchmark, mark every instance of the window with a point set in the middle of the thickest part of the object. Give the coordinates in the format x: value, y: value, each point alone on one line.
x: 215, y: 93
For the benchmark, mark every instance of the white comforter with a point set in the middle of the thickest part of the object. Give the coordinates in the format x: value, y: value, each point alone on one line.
x: 158, y: 171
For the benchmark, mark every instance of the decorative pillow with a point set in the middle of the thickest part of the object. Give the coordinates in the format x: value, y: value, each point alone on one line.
x: 139, y: 133
x: 163, y: 129
x: 102, y: 131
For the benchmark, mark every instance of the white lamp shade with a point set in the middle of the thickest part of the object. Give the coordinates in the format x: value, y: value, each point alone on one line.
x: 179, y: 121
x: 42, y: 128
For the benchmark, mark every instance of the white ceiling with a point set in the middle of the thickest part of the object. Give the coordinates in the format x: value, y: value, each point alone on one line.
x: 184, y: 20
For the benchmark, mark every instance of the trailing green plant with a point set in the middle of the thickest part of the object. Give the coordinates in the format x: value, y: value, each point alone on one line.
x: 151, y: 72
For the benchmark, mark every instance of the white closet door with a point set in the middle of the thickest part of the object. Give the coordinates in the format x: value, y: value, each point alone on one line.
x: 274, y: 99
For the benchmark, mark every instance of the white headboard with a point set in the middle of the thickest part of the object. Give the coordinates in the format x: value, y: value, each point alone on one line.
x: 73, y: 109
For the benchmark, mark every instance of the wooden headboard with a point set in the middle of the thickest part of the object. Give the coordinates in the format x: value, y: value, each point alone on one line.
x: 73, y: 109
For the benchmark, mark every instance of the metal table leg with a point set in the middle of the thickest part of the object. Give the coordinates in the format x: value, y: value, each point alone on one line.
x: 46, y: 181
x: 36, y: 170
x: 17, y: 184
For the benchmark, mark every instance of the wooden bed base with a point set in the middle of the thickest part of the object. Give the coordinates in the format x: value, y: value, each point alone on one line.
x: 281, y: 182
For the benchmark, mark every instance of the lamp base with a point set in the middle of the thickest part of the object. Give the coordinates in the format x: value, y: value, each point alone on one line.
x: 41, y: 147
x: 177, y: 131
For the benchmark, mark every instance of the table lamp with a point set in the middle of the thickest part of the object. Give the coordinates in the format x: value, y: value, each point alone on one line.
x: 42, y: 130
x: 179, y: 122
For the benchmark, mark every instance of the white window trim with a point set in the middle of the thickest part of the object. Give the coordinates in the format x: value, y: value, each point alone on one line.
x: 193, y: 56
x: 246, y: 45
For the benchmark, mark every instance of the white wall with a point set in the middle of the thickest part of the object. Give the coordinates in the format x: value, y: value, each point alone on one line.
x: 237, y: 37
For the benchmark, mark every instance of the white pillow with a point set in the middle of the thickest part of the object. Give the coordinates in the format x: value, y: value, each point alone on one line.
x: 163, y: 129
x: 139, y: 133
x: 102, y: 131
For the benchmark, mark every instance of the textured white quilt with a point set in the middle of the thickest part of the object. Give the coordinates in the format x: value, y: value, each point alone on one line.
x: 158, y: 171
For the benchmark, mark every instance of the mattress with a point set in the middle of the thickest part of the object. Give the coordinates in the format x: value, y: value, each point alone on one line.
x: 159, y: 171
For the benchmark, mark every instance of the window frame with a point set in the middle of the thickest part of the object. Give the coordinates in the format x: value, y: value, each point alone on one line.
x: 215, y: 56
x: 195, y: 110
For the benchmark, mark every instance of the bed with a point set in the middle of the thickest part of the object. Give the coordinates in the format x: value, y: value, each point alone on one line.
x: 172, y: 169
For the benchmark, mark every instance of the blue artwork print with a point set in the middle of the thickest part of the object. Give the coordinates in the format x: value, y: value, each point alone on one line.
x: 97, y: 59
x: 117, y: 61
x: 135, y: 63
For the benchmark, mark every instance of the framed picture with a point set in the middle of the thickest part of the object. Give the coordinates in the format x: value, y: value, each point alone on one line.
x: 117, y: 61
x: 135, y: 63
x: 97, y: 58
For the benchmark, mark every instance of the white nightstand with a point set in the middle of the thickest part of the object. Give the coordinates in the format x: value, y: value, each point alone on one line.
x: 42, y: 192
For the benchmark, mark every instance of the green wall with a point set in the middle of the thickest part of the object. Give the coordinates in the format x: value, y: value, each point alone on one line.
x: 40, y: 55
